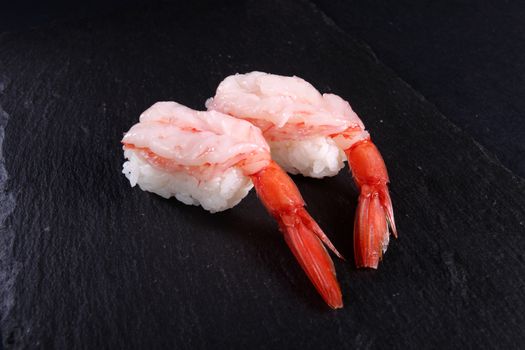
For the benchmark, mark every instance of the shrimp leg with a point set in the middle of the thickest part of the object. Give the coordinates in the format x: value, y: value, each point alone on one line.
x: 305, y: 238
x: 374, y: 212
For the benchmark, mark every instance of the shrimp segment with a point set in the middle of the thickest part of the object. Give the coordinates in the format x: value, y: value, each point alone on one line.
x: 374, y: 210
x: 283, y: 201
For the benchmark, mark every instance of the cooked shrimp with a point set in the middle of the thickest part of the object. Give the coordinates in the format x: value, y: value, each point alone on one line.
x: 312, y: 134
x: 211, y: 159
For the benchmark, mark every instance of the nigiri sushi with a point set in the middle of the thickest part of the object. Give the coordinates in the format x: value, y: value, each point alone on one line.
x: 213, y: 160
x: 314, y: 134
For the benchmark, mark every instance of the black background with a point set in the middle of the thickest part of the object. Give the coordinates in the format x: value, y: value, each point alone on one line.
x: 89, y: 262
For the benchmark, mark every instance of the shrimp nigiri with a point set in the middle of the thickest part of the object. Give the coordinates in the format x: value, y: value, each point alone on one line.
x: 213, y: 160
x: 312, y: 133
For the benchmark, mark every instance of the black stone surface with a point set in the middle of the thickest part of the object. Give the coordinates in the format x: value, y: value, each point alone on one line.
x: 467, y: 57
x: 88, y: 262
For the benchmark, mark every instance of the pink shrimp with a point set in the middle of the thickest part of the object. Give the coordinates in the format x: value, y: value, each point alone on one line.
x: 211, y: 159
x: 311, y: 134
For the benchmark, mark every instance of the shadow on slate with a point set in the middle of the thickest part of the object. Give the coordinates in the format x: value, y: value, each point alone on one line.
x: 88, y: 262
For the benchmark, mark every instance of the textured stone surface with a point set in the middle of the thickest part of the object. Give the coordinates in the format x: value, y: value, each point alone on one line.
x: 467, y: 57
x: 89, y: 262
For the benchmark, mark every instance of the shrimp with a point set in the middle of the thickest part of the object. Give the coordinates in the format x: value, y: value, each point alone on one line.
x: 312, y: 134
x: 212, y: 159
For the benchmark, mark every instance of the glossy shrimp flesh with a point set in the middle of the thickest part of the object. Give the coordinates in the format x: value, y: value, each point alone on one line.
x: 312, y: 134
x: 191, y: 155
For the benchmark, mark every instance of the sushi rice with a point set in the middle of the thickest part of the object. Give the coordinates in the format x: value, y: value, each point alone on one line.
x: 216, y: 194
x: 315, y: 157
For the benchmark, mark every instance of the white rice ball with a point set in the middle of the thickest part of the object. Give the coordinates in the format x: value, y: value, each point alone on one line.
x: 217, y: 194
x: 314, y: 157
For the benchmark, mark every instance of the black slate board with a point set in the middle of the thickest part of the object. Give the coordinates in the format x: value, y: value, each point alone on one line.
x: 467, y: 57
x: 88, y: 262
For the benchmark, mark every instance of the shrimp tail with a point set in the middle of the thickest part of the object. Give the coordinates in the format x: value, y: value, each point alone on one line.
x: 374, y: 217
x: 314, y: 227
x: 304, y: 237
